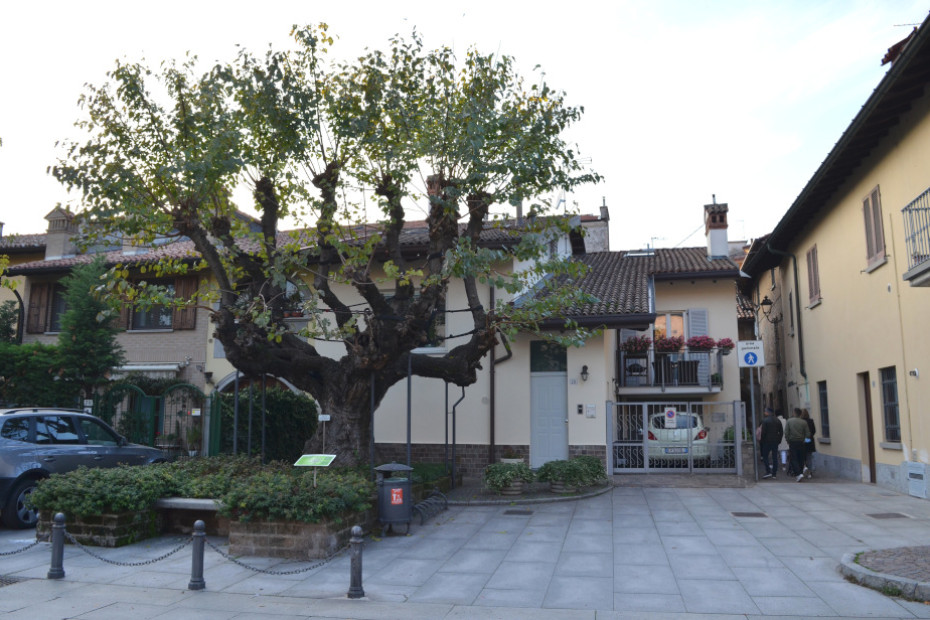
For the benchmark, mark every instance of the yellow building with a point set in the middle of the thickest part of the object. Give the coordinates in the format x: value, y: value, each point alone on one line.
x: 841, y: 283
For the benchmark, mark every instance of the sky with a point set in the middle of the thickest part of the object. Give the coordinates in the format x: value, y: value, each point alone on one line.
x: 684, y: 99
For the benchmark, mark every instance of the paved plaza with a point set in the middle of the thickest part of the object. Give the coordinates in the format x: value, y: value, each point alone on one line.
x: 770, y: 550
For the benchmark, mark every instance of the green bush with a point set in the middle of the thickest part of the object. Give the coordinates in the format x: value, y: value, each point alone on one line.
x: 290, y: 420
x: 580, y: 471
x: 87, y: 492
x: 499, y: 475
x: 426, y: 473
x: 29, y: 375
x: 245, y: 488
x: 292, y: 496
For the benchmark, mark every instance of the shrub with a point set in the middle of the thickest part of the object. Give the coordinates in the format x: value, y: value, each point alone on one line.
x: 580, y: 471
x: 29, y: 375
x: 290, y: 419
x: 86, y: 492
x: 499, y: 475
x: 245, y: 489
x: 636, y: 344
x: 671, y: 344
x: 700, y: 343
x: 292, y: 496
x: 426, y: 473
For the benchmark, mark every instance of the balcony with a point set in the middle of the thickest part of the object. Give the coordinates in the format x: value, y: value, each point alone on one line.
x: 917, y: 240
x: 691, y: 372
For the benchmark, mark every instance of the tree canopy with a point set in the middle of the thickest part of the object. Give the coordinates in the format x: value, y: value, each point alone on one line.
x: 425, y: 134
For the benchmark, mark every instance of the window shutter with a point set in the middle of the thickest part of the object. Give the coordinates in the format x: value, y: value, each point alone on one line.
x: 125, y: 312
x: 185, y: 318
x: 697, y: 322
x: 39, y: 298
x: 813, y: 275
x: 878, y: 245
x: 869, y: 236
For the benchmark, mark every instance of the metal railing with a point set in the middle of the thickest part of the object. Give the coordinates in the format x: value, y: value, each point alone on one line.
x: 917, y: 230
x: 656, y: 369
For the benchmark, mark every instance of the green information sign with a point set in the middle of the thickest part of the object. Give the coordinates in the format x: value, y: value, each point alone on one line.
x: 315, y: 460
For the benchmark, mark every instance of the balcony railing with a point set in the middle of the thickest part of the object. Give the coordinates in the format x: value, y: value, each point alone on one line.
x: 917, y: 240
x: 687, y: 369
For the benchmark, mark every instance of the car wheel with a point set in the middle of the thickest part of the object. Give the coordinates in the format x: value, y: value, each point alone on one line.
x: 16, y: 514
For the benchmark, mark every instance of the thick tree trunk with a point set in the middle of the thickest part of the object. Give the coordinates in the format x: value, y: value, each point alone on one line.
x: 348, y: 432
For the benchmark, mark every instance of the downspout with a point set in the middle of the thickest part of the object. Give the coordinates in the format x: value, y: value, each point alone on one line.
x: 797, y: 304
x: 493, y: 381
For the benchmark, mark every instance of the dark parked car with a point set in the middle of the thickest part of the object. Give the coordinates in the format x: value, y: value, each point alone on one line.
x: 38, y: 442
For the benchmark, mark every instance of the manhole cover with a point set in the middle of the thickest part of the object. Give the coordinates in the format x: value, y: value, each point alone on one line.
x: 8, y: 581
x: 888, y: 515
x: 521, y: 513
x: 749, y: 514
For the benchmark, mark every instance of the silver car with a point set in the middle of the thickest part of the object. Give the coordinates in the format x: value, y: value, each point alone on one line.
x: 38, y: 442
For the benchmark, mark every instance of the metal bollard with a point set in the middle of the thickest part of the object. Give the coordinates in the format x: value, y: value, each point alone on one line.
x: 200, y: 536
x: 57, y: 570
x: 355, y: 544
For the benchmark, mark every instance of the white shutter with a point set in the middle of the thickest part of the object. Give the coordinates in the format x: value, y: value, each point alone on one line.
x: 697, y: 322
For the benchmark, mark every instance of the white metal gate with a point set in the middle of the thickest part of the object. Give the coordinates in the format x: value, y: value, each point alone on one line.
x: 676, y: 436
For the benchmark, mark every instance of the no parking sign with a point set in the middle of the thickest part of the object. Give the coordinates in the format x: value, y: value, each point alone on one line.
x: 670, y: 415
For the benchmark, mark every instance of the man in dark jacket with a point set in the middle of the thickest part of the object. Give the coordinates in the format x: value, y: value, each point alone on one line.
x: 796, y: 431
x: 770, y: 437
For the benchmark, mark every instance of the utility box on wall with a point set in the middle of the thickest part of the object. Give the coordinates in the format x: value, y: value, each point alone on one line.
x: 917, y: 479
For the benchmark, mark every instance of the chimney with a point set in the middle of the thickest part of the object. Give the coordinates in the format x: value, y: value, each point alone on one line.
x: 715, y: 229
x: 62, y: 227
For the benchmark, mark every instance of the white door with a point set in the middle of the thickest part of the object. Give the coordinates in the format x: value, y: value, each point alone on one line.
x: 548, y: 417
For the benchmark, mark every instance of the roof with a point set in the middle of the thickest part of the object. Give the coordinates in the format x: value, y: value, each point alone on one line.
x: 620, y: 281
x: 904, y: 83
x: 414, y: 239
x: 13, y: 244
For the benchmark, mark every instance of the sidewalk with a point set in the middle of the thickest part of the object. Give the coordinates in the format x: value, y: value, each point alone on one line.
x: 769, y: 550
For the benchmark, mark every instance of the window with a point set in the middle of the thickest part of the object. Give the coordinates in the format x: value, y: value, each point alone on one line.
x: 97, y: 434
x: 56, y: 429
x: 890, y: 404
x: 16, y: 429
x: 162, y: 318
x: 824, y: 410
x: 669, y: 325
x: 874, y: 235
x: 813, y: 275
x: 46, y: 307
x: 547, y: 357
x: 154, y: 317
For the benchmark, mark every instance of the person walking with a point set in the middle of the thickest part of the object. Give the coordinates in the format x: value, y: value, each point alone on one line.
x: 783, y: 444
x: 809, y: 443
x: 770, y: 436
x: 796, y: 431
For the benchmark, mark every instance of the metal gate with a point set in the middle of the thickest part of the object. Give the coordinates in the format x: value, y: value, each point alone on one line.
x: 676, y: 436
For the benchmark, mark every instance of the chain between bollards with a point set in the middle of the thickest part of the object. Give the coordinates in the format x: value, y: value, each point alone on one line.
x: 200, y: 535
x: 355, y: 551
x: 57, y: 570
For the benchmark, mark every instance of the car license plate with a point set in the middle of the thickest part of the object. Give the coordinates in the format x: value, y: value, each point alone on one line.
x: 676, y: 450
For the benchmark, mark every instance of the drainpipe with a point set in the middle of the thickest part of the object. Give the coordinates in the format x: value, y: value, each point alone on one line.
x: 797, y: 304
x: 493, y: 381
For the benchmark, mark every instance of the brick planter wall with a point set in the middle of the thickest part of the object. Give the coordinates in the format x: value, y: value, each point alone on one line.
x: 107, y: 530
x: 293, y: 540
x: 471, y: 459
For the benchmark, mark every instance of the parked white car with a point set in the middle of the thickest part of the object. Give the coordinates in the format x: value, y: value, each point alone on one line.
x: 677, y: 437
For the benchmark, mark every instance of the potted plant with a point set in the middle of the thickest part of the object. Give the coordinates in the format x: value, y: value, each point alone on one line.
x: 507, y: 478
x: 562, y: 476
x: 668, y: 344
x: 636, y: 345
x: 725, y: 345
x: 509, y: 455
x: 700, y: 343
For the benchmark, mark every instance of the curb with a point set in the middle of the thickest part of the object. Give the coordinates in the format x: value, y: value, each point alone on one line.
x: 535, y: 500
x: 883, y: 582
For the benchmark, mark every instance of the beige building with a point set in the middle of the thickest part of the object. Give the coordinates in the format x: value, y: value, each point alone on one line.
x: 841, y: 282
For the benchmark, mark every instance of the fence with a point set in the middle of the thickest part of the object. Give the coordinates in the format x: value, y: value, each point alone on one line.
x: 198, y: 541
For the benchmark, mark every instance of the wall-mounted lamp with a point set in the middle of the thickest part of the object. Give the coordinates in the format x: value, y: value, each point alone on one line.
x: 584, y: 372
x: 766, y: 306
